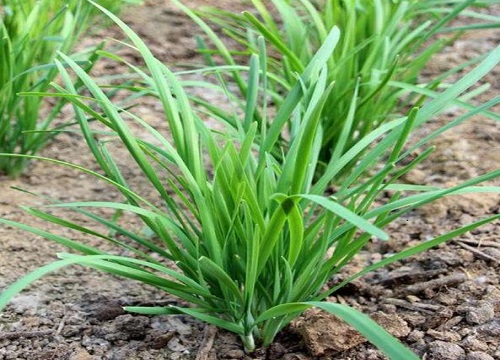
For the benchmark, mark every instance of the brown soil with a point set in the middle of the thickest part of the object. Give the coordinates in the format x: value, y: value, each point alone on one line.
x: 444, y: 304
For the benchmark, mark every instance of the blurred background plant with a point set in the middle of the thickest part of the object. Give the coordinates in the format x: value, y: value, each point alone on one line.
x: 31, y: 34
x: 383, y: 47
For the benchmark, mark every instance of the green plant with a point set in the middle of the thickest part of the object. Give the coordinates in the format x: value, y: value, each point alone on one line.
x: 253, y: 237
x: 383, y: 45
x: 116, y: 6
x: 31, y: 33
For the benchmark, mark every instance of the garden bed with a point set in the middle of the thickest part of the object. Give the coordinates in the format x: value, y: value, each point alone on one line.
x: 444, y: 303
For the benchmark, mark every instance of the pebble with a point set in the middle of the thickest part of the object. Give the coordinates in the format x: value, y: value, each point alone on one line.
x: 490, y: 329
x: 446, y: 299
x: 135, y: 326
x: 389, y: 308
x: 441, y: 316
x: 107, y: 310
x: 478, y: 355
x: 392, y: 323
x: 414, y: 319
x: 450, y: 324
x: 481, y: 314
x: 473, y: 344
x: 70, y: 331
x: 323, y: 333
x: 176, y: 345
x: 81, y: 354
x: 235, y: 354
x: 463, y: 332
x: 449, y: 336
x: 415, y: 336
x: 440, y: 350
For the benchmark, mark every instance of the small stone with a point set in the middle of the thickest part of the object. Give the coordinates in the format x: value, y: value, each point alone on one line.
x: 392, y: 323
x: 277, y: 350
x: 471, y: 343
x: 70, y: 331
x: 176, y: 345
x: 134, y: 326
x: 490, y: 329
x: 25, y: 304
x: 107, y: 310
x: 235, y: 354
x: 451, y: 323
x: 325, y: 334
x: 414, y: 319
x: 449, y: 336
x: 416, y: 176
x: 440, y: 350
x: 81, y: 354
x: 415, y: 336
x: 446, y: 299
x: 481, y: 314
x: 389, y: 308
x: 413, y: 298
x: 465, y: 254
x: 493, y: 297
x: 376, y: 257
x: 463, y: 332
x: 439, y: 317
x: 478, y: 355
x: 159, y: 341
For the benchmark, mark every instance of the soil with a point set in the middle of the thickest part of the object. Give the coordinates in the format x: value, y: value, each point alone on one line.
x: 444, y: 304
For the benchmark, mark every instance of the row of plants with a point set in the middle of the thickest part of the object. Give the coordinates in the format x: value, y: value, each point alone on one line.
x: 245, y: 213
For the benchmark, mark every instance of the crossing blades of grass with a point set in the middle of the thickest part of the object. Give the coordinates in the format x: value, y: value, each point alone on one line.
x: 31, y: 33
x: 252, y: 234
x: 383, y: 47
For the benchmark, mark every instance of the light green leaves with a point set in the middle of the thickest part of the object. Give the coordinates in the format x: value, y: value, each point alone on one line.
x: 347, y: 215
x: 382, y: 47
x: 31, y: 34
x: 242, y: 221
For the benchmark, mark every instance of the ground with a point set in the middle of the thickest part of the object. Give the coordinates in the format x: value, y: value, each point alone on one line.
x: 444, y: 304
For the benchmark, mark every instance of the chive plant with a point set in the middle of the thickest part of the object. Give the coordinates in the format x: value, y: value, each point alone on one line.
x: 31, y: 33
x: 383, y: 44
x: 253, y: 236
